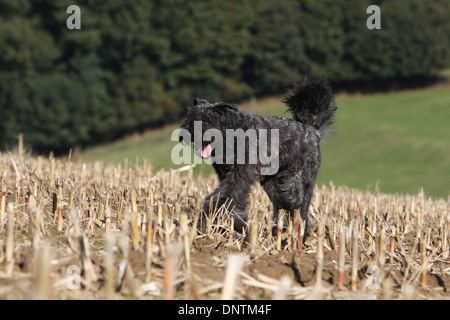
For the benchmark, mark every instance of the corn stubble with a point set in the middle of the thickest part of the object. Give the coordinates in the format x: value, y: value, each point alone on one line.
x: 130, y: 232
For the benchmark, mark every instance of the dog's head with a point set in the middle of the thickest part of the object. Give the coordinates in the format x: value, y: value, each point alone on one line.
x: 202, y: 116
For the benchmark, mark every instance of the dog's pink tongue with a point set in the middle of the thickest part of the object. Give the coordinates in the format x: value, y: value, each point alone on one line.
x: 206, y: 151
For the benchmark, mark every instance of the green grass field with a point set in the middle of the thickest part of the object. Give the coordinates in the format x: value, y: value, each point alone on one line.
x: 399, y: 140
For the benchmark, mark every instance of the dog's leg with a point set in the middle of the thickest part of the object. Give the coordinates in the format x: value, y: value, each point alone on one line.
x: 275, y: 218
x: 209, y: 205
x: 290, y: 211
x: 291, y: 196
x: 273, y: 194
x: 306, y: 216
x: 227, y: 197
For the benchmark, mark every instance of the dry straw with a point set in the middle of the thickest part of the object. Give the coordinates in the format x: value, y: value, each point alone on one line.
x: 341, y: 268
x: 121, y: 224
x: 234, y: 266
x: 355, y: 253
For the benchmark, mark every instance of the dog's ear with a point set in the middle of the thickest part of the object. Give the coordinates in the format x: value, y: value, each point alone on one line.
x: 199, y: 101
x: 223, y: 107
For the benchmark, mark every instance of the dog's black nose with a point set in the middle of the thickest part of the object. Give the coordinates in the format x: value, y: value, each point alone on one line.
x: 180, y: 138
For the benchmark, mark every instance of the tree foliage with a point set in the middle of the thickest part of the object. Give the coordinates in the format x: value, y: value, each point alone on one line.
x: 137, y: 64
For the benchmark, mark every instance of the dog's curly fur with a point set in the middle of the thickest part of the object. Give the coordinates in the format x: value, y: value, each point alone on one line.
x: 291, y: 188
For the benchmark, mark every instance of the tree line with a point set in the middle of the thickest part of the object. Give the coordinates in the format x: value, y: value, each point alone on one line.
x: 138, y: 64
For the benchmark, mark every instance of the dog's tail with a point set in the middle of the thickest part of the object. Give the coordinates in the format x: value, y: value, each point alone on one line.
x: 312, y: 103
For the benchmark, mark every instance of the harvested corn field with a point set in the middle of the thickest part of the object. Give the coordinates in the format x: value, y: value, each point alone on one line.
x: 89, y: 231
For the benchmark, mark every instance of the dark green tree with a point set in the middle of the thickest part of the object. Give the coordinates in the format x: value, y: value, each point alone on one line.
x: 276, y: 56
x: 137, y: 64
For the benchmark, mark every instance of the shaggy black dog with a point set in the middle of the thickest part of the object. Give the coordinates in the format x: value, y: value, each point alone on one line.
x: 292, y: 146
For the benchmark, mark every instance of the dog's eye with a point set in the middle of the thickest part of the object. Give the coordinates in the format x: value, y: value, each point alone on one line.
x: 199, y: 101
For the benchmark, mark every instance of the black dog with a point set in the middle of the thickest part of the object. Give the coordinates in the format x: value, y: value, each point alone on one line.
x: 297, y: 141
